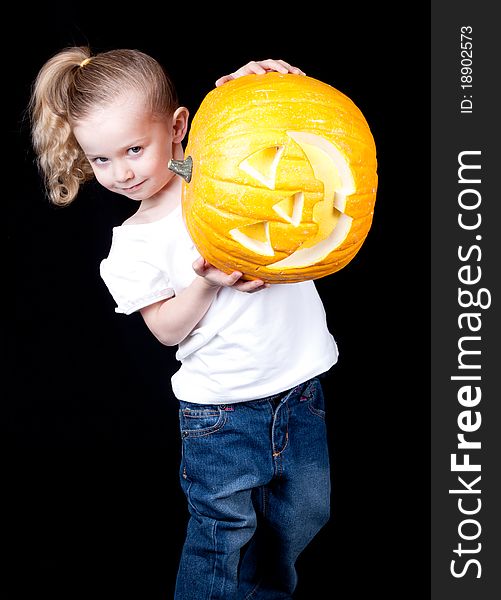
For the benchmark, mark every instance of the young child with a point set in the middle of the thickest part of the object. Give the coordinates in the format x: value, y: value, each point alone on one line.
x: 255, y: 464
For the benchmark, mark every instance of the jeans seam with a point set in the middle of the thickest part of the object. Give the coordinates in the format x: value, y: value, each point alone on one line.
x: 190, y: 501
x: 265, y: 501
x: 252, y: 592
x: 214, y: 566
x: 317, y: 412
x: 280, y: 452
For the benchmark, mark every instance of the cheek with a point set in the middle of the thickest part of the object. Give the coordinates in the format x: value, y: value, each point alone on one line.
x: 157, y: 167
x: 102, y: 177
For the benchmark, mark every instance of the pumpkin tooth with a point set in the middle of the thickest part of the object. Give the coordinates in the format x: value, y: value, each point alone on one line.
x: 309, y: 256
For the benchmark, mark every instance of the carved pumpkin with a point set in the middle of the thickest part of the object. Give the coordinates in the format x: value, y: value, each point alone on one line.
x: 283, y: 178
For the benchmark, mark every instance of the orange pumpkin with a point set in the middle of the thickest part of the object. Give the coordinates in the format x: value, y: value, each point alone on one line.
x: 283, y: 178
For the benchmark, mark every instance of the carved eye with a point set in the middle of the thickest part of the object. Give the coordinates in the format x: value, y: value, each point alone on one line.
x: 284, y: 178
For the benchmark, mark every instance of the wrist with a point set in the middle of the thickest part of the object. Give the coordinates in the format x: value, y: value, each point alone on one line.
x: 207, y: 285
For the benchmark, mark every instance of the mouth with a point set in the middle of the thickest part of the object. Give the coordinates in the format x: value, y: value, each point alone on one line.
x: 132, y: 188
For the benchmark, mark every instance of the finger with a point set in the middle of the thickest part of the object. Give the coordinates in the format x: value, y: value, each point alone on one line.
x: 250, y: 67
x: 198, y: 262
x: 258, y: 288
x: 231, y: 279
x: 251, y: 286
x: 295, y: 70
x: 256, y: 67
x: 275, y: 65
x: 223, y: 79
x: 285, y: 67
x: 199, y: 266
x: 288, y: 67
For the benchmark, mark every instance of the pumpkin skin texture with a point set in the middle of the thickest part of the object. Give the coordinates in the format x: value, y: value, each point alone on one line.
x: 283, y: 181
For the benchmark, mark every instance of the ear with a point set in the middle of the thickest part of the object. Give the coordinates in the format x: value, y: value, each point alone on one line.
x: 179, y: 124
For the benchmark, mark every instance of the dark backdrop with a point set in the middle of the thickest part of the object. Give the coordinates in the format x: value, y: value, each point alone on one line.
x: 89, y: 424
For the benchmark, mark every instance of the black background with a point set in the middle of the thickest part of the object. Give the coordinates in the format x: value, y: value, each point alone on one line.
x: 90, y: 431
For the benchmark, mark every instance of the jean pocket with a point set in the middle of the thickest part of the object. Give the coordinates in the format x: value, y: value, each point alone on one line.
x: 313, y: 396
x: 201, y: 421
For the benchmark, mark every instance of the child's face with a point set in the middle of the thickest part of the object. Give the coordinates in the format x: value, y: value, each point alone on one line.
x: 128, y: 149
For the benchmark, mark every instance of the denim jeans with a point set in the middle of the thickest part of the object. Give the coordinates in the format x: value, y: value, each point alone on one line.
x: 256, y: 477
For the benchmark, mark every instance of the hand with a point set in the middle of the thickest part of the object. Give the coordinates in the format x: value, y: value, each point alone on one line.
x: 215, y: 278
x: 259, y: 67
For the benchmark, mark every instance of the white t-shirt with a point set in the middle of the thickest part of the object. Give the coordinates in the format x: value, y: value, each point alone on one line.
x: 247, y: 346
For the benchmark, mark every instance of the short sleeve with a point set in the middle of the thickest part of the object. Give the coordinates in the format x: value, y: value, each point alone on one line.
x: 133, y: 276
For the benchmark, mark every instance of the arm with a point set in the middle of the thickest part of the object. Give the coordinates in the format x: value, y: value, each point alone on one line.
x: 173, y: 319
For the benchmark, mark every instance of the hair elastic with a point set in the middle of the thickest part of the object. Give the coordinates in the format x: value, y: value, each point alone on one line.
x: 85, y: 61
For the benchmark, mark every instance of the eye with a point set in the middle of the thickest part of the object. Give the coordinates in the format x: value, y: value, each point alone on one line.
x: 135, y: 149
x: 100, y: 160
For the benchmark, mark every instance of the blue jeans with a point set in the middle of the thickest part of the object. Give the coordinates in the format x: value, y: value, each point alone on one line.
x: 256, y: 477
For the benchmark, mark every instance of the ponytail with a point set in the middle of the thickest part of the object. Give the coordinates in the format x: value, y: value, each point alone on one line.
x: 59, y: 157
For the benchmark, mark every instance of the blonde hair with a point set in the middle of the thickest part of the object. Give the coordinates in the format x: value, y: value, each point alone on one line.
x: 67, y: 88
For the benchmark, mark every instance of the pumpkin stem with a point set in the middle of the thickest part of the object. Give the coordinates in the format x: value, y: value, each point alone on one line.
x: 182, y: 168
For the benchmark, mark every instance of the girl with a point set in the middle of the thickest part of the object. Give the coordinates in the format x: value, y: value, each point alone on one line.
x: 255, y: 466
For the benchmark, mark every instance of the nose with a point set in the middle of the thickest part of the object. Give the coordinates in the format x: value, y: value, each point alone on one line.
x: 122, y: 172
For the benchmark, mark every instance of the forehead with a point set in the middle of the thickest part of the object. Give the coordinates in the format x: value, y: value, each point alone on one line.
x: 115, y: 124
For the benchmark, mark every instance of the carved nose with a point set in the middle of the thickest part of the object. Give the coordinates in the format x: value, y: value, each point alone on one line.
x: 183, y: 168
